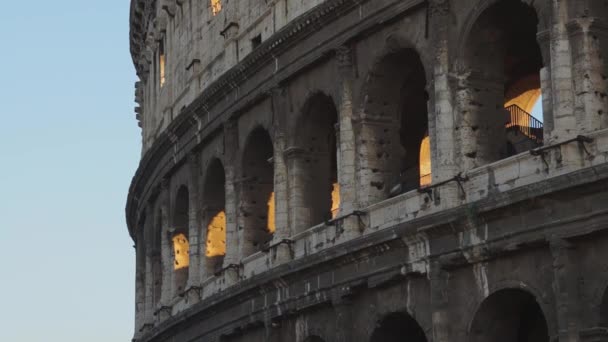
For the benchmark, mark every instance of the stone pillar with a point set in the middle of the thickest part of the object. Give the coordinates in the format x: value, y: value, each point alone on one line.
x: 230, y: 33
x: 149, y: 272
x: 166, y: 254
x: 140, y: 286
x: 565, y: 286
x: 561, y: 74
x: 231, y: 147
x: 281, y: 197
x: 194, y: 213
x: 544, y: 42
x: 374, y: 175
x: 299, y: 213
x: 482, y: 119
x: 343, y: 309
x: 346, y: 135
x: 347, y: 147
x: 439, y: 302
x: 444, y: 163
x: 589, y: 71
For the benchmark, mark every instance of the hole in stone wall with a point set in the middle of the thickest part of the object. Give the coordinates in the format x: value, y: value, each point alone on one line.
x: 425, y: 161
x: 214, y: 200
x: 504, y: 84
x: 398, y: 80
x: 510, y: 315
x: 256, y: 41
x: 315, y: 169
x: 179, y: 238
x: 162, y: 60
x: 256, y: 207
x: 398, y: 327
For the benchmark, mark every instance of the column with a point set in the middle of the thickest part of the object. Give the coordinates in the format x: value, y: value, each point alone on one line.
x: 441, y: 114
x: 587, y: 34
x: 439, y: 302
x: 140, y: 287
x: 346, y: 134
x: 281, y: 194
x: 544, y: 42
x: 565, y: 285
x: 166, y: 298
x: 231, y: 146
x: 299, y: 213
x: 194, y: 219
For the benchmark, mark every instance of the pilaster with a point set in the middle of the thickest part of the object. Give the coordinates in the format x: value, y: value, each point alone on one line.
x: 439, y: 302
x: 590, y: 86
x: 231, y: 146
x: 561, y: 75
x: 565, y: 286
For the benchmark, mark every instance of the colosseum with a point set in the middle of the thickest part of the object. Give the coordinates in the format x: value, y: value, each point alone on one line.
x: 368, y: 170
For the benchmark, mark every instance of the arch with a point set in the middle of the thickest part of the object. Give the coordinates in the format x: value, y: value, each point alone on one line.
x: 312, y: 164
x: 214, y: 202
x: 396, y: 108
x: 509, y: 315
x: 257, y: 191
x: 179, y: 238
x: 398, y: 327
x: 501, y: 62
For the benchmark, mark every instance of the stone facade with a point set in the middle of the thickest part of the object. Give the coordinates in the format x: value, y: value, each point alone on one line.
x: 252, y: 104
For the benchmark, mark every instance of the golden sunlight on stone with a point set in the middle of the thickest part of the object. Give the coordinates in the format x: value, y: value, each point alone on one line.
x: 425, y: 162
x: 335, y: 200
x: 216, y: 236
x: 271, y: 205
x: 216, y: 6
x: 181, y: 250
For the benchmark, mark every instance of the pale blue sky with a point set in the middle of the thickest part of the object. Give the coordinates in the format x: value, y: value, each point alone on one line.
x: 69, y: 146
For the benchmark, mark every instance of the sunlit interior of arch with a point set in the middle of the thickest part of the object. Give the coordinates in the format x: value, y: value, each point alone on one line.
x: 335, y: 200
x: 162, y: 60
x: 271, y: 214
x: 181, y: 251
x: 216, y: 6
x: 216, y: 236
x: 425, y: 162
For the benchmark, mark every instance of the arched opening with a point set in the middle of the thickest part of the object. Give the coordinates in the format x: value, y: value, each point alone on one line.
x: 313, y: 168
x: 398, y: 327
x: 397, y: 101
x: 214, y: 199
x: 502, y: 67
x: 510, y: 315
x: 257, y: 191
x: 179, y: 239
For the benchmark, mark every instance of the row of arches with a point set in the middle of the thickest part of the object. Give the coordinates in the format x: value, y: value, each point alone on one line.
x: 510, y: 315
x: 502, y: 70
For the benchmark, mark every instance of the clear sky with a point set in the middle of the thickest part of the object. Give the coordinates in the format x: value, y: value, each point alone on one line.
x: 69, y: 146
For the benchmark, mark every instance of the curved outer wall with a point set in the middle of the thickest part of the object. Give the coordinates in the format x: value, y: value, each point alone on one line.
x: 517, y: 234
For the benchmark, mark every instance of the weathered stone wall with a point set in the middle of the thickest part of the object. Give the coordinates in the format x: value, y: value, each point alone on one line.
x: 499, y: 237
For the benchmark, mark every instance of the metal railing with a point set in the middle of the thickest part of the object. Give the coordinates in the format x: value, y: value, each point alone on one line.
x: 525, y: 123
